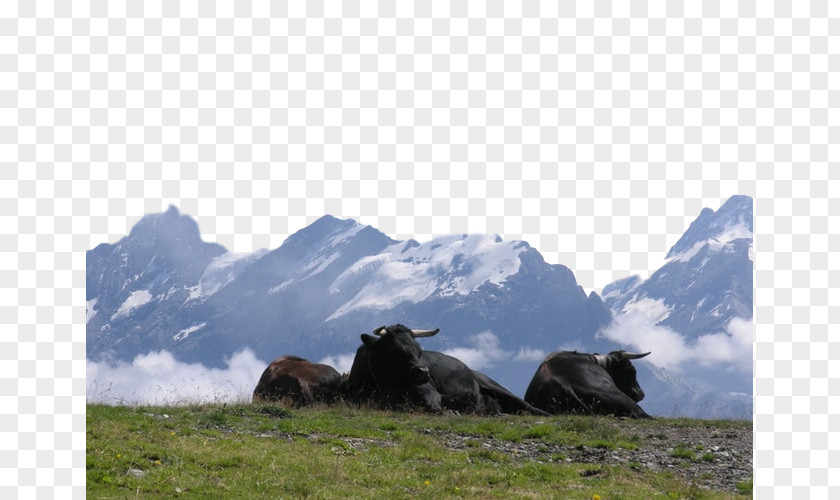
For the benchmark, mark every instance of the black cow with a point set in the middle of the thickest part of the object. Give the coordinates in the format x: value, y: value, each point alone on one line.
x: 393, y: 371
x: 571, y: 382
x: 298, y: 381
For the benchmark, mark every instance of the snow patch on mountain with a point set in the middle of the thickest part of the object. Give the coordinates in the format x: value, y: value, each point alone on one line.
x: 624, y: 286
x: 717, y: 243
x: 344, y: 234
x: 221, y: 271
x: 229, y: 259
x: 90, y: 309
x: 412, y: 272
x: 137, y: 299
x: 187, y: 331
x: 391, y: 283
x: 654, y: 310
x: 317, y: 265
x: 279, y: 288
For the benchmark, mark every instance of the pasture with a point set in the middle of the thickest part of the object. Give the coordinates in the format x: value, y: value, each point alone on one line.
x: 270, y: 451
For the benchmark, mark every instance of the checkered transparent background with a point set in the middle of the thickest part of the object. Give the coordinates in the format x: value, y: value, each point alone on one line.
x: 595, y: 131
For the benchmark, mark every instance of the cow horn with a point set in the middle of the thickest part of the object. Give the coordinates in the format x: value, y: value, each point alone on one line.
x: 424, y: 333
x: 380, y: 331
x: 628, y: 355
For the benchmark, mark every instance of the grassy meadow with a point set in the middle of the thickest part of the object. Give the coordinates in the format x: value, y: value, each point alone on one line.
x: 270, y: 451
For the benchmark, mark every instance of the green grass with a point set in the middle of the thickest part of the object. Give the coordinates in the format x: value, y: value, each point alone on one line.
x: 745, y: 488
x: 683, y: 452
x: 256, y: 451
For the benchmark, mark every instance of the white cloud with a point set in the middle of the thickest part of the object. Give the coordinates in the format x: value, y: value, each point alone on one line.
x: 157, y: 378
x: 730, y: 350
x: 735, y: 345
x: 341, y: 362
x: 529, y: 354
x: 484, y: 353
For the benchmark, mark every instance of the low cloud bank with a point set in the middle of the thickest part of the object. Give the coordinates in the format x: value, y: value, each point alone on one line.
x: 485, y: 350
x: 731, y: 350
x: 157, y: 378
x: 341, y: 362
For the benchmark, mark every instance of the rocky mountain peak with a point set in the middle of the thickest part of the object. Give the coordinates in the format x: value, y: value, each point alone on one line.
x: 734, y: 220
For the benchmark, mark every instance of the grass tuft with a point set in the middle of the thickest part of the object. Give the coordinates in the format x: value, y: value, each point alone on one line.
x: 683, y: 452
x: 745, y: 488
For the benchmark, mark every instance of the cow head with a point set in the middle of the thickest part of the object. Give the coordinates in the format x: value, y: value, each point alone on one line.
x: 394, y: 356
x: 622, y: 371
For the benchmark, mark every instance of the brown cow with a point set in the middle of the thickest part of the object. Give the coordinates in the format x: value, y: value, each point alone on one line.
x: 297, y: 381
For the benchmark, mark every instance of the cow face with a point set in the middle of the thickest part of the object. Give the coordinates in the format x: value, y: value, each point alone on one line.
x: 394, y: 357
x: 623, y: 373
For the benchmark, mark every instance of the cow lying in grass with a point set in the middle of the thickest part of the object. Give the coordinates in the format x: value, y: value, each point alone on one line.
x: 391, y: 370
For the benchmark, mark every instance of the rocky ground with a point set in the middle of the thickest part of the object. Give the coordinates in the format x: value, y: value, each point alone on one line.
x: 709, y: 456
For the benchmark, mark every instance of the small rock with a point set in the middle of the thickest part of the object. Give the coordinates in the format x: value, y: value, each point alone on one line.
x: 136, y: 472
x: 589, y: 472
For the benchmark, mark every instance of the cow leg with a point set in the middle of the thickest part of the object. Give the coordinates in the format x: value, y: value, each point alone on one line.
x: 612, y: 402
x: 578, y: 401
x: 427, y: 396
x: 497, y: 399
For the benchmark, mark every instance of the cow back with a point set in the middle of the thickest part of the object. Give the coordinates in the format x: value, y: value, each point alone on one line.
x: 297, y: 381
x: 570, y: 382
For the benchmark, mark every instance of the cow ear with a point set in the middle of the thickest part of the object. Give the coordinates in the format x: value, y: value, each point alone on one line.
x: 368, y: 339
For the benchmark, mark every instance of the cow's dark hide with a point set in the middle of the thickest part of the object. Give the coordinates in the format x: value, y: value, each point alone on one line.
x: 571, y: 382
x: 393, y: 371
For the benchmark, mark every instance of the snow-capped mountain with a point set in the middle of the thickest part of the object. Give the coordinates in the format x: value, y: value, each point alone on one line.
x: 497, y: 303
x: 695, y: 314
x: 500, y: 307
x: 132, y: 286
x: 707, y: 279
